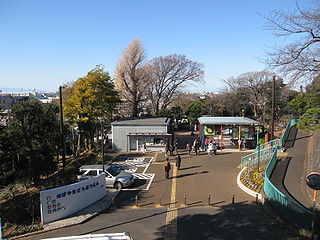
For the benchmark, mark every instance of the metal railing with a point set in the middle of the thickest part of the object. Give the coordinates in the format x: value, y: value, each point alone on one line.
x: 283, y: 205
x: 256, y: 157
x: 275, y: 142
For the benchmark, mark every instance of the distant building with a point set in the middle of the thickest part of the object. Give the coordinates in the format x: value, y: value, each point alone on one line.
x: 134, y: 135
x: 8, y: 99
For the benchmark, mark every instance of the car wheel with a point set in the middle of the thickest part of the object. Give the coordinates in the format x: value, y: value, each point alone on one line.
x: 118, y: 185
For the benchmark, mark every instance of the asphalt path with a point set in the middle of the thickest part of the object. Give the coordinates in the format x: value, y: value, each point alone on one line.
x: 179, y: 207
x: 289, y: 174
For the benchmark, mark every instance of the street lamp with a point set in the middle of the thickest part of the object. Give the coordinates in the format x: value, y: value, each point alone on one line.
x: 102, y: 140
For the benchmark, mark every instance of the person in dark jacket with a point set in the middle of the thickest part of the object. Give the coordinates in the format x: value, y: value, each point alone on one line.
x: 167, y: 168
x: 178, y: 161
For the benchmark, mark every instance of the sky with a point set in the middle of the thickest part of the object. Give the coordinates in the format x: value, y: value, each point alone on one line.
x: 46, y: 43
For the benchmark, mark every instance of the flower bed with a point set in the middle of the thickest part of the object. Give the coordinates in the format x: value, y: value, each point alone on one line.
x: 253, y: 179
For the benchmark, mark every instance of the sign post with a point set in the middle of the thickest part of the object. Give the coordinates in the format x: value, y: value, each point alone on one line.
x: 313, y: 181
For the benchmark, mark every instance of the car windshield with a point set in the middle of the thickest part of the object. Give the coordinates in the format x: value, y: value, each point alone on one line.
x: 113, y: 171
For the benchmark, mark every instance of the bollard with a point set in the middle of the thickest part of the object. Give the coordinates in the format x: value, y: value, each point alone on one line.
x: 185, y: 200
x: 233, y: 196
x: 160, y: 200
x: 113, y: 203
x: 209, y: 199
x: 256, y: 198
x: 137, y: 201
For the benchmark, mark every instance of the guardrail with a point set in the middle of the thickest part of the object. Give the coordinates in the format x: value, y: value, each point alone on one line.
x: 283, y: 205
x: 256, y: 157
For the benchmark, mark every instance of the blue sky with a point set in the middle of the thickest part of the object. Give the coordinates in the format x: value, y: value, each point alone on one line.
x: 45, y: 43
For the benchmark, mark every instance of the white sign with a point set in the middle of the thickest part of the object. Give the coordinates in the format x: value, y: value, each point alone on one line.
x: 61, y: 202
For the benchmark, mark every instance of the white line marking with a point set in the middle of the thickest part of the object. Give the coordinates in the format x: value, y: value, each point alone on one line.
x: 148, y: 165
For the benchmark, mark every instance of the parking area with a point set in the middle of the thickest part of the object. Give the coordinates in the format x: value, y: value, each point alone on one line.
x: 138, y: 166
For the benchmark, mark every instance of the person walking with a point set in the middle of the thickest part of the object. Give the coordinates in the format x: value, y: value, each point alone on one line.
x: 189, y: 148
x: 178, y: 161
x: 215, y: 146
x: 171, y: 149
x: 175, y: 144
x: 196, y: 146
x: 167, y: 167
x: 167, y: 148
x: 210, y: 147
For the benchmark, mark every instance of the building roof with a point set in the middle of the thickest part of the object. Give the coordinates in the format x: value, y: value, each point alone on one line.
x: 159, y: 121
x: 227, y: 121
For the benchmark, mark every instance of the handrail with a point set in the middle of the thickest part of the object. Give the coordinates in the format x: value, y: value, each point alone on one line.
x: 286, y: 207
x: 275, y: 142
x: 253, y: 158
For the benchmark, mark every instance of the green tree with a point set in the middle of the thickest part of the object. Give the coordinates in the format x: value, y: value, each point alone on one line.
x: 195, y: 110
x: 310, y: 120
x: 33, y: 133
x: 91, y: 98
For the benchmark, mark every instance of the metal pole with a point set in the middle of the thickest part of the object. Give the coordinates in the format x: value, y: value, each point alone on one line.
x: 273, y: 106
x: 102, y: 144
x: 0, y: 229
x: 137, y: 201
x: 233, y: 196
x: 209, y: 199
x: 185, y: 200
x: 239, y: 138
x: 258, y: 157
x: 314, y: 212
x: 63, y: 153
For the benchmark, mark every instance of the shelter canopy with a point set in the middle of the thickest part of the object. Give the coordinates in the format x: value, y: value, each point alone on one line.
x: 227, y: 121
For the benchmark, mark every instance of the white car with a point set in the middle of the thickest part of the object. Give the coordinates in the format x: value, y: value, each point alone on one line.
x: 114, y: 176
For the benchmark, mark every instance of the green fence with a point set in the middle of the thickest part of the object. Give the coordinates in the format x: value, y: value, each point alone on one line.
x: 284, y: 206
x: 290, y: 124
x: 256, y: 157
x: 275, y: 142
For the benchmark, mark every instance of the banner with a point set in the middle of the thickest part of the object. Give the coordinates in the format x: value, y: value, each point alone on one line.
x: 61, y: 202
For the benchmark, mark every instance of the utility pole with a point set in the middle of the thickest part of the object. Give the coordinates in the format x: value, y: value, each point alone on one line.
x: 273, y: 105
x: 63, y: 153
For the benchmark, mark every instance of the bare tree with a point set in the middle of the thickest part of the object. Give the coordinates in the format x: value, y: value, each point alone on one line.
x: 252, y: 84
x: 131, y: 75
x: 299, y: 55
x: 168, y: 75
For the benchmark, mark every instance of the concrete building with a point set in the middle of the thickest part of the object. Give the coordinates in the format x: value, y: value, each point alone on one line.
x: 138, y: 134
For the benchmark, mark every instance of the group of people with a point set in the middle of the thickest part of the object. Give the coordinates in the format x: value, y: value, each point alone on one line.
x: 167, y: 165
x: 211, y: 146
x: 170, y: 148
x: 195, y: 146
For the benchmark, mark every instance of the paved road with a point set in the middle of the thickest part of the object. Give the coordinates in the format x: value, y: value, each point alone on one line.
x: 289, y: 175
x: 198, y: 177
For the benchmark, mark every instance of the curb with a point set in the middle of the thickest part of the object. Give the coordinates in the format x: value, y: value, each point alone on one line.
x: 245, y: 189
